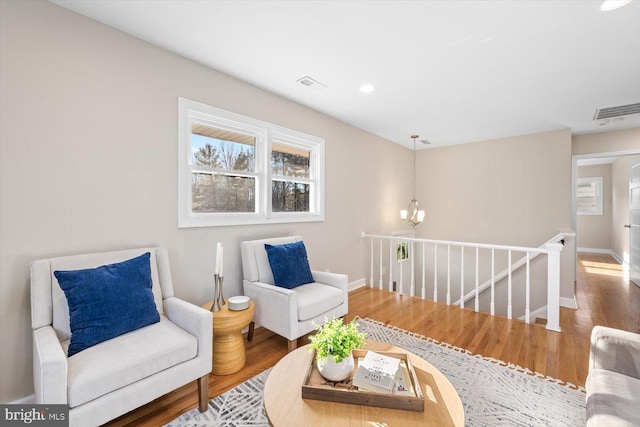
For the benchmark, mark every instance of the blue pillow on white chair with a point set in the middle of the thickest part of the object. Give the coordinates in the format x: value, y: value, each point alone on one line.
x: 289, y: 264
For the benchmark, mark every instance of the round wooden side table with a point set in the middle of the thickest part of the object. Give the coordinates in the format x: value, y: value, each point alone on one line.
x: 228, y: 345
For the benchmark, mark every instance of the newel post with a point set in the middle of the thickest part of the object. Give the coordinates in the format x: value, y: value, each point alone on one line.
x: 553, y: 286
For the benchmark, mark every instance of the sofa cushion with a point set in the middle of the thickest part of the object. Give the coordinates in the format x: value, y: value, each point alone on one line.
x: 289, y: 264
x: 126, y: 359
x: 315, y: 299
x: 108, y: 301
x: 612, y: 399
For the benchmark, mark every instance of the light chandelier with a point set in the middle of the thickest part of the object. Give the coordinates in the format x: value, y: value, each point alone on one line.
x: 413, y: 214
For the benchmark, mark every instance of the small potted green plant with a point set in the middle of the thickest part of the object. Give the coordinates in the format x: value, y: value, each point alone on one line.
x: 333, y: 343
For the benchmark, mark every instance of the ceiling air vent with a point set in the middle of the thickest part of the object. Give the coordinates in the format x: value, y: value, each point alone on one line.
x: 618, y: 111
x: 308, y: 81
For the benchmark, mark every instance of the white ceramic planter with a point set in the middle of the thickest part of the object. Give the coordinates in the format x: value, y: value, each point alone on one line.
x: 333, y: 371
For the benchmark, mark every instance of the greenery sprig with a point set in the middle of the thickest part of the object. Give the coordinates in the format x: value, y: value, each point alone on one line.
x: 337, y: 339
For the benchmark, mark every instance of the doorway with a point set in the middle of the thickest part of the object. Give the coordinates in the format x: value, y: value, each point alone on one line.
x: 603, y: 230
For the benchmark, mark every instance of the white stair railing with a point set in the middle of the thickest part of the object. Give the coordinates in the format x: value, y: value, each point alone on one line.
x: 551, y: 249
x: 524, y: 261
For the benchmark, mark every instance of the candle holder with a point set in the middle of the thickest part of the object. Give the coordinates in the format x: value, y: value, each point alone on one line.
x: 218, y: 298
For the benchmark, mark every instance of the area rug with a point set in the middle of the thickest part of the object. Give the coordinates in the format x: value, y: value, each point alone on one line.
x: 493, y: 393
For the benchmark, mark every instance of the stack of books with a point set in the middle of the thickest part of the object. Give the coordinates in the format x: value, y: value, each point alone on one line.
x: 381, y: 374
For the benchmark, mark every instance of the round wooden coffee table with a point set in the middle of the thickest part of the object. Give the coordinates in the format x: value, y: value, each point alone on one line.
x: 285, y: 406
x: 228, y: 345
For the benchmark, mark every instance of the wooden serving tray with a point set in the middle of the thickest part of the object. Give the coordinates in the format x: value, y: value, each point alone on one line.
x: 316, y: 387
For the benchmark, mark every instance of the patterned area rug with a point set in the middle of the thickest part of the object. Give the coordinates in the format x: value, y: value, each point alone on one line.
x: 493, y: 392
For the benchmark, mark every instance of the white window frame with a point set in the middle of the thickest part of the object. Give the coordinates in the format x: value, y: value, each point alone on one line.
x: 265, y: 133
x: 597, y: 180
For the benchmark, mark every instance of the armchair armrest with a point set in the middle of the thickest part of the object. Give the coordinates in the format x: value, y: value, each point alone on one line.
x: 615, y: 350
x: 193, y: 319
x: 49, y: 367
x: 267, y: 297
x: 340, y: 281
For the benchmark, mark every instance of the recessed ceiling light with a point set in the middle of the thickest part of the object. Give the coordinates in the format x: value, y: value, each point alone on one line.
x: 367, y: 88
x: 608, y: 5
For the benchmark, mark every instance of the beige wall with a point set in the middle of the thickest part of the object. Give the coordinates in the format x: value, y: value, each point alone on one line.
x: 89, y: 163
x: 512, y: 191
x: 606, y: 142
x: 594, y: 231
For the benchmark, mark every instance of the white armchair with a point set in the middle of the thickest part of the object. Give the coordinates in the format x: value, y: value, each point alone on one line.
x: 290, y: 312
x: 111, y: 378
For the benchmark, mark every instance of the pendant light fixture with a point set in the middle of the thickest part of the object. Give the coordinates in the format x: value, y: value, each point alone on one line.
x: 413, y: 214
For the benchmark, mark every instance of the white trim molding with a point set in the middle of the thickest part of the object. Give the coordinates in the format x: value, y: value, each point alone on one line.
x: 27, y: 400
x: 596, y: 251
x: 624, y: 263
x: 360, y: 283
x: 568, y: 302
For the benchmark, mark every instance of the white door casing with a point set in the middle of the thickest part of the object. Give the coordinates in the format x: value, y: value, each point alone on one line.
x: 634, y: 222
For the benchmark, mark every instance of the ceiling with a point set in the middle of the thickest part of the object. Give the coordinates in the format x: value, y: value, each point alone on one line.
x: 451, y: 71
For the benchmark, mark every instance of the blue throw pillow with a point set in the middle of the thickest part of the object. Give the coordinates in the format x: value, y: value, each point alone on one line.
x: 108, y: 301
x: 289, y: 264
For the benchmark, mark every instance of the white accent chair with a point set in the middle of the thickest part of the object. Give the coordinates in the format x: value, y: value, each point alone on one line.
x: 290, y: 312
x: 116, y: 376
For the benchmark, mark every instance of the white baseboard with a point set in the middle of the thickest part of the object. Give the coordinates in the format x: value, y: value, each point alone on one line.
x: 360, y: 283
x: 622, y: 262
x: 568, y: 302
x: 618, y: 258
x: 27, y: 400
x: 595, y: 251
x: 542, y: 311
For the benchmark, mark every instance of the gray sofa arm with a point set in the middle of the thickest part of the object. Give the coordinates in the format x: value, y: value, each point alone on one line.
x: 49, y: 367
x: 615, y: 350
x: 193, y: 319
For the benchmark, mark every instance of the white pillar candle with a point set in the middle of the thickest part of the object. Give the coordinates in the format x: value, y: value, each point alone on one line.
x: 217, y: 270
x: 221, y: 273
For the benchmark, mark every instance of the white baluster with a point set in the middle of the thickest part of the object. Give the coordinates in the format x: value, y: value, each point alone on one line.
x: 435, y: 273
x: 461, y: 276
x: 412, y: 279
x: 401, y: 268
x: 380, y: 280
x: 527, y: 310
x: 493, y: 279
x: 477, y: 283
x: 390, y: 265
x: 371, y: 282
x: 424, y: 268
x: 509, y: 306
x: 448, y: 274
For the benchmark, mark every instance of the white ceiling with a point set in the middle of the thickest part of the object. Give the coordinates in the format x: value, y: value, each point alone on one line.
x: 451, y: 71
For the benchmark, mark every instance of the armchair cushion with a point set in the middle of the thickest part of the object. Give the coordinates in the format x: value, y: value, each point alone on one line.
x: 129, y: 358
x: 289, y: 264
x: 108, y: 301
x: 315, y: 299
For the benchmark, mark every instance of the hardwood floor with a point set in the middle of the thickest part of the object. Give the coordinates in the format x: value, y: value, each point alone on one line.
x: 603, y: 294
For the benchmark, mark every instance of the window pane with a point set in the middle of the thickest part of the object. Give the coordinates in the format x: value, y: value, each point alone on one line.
x: 222, y: 193
x: 289, y: 197
x: 289, y: 161
x: 222, y: 149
